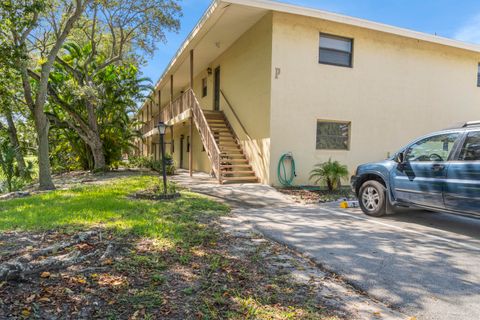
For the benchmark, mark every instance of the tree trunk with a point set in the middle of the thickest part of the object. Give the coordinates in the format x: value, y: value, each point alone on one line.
x: 42, y: 126
x: 12, y: 132
x: 96, y: 143
x: 99, y: 163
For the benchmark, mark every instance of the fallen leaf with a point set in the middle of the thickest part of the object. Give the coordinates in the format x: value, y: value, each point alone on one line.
x: 44, y: 299
x: 25, y: 313
x: 107, y: 262
x: 45, y: 274
x: 377, y: 314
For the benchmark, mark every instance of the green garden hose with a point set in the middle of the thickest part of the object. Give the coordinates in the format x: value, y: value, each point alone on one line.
x: 282, y: 171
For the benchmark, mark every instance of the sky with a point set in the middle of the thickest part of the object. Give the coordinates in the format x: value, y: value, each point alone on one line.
x: 458, y: 19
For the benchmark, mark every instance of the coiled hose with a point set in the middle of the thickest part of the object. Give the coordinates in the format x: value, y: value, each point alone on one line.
x: 282, y: 171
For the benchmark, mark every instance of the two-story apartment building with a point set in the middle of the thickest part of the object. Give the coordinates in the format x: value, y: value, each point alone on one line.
x: 257, y: 79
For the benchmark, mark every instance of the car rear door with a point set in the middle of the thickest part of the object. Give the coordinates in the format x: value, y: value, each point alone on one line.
x: 421, y: 178
x: 462, y: 189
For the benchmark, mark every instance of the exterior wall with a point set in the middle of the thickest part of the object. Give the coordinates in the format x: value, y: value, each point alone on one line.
x: 398, y: 89
x: 245, y: 81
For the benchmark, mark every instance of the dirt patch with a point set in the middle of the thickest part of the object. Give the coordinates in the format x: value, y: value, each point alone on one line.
x: 315, y: 195
x: 125, y: 277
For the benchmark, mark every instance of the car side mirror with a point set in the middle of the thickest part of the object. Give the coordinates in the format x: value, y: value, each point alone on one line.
x: 400, y: 157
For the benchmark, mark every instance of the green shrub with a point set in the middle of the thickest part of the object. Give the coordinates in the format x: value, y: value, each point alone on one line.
x: 155, y: 165
x: 329, y: 173
x: 11, y: 178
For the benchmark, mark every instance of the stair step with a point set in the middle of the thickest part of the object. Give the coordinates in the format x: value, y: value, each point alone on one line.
x: 233, y: 166
x: 214, y: 116
x: 232, y: 146
x: 233, y: 161
x: 238, y: 172
x: 233, y: 179
x: 215, y: 121
x: 231, y: 155
x: 220, y: 130
x: 230, y: 150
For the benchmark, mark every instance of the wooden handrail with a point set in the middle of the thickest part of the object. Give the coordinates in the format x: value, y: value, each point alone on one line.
x: 242, y: 126
x: 206, y: 134
x: 234, y: 113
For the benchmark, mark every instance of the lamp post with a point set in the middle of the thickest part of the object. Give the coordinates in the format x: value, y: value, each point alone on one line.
x: 161, y: 130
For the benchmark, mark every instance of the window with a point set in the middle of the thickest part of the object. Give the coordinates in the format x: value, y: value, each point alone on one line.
x: 478, y: 76
x: 333, y: 135
x: 335, y: 50
x: 204, y: 87
x: 471, y: 148
x: 436, y: 148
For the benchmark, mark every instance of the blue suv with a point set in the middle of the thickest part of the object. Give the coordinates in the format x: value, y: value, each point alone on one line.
x: 440, y: 172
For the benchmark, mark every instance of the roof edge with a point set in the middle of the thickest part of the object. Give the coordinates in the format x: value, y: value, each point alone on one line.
x: 358, y: 22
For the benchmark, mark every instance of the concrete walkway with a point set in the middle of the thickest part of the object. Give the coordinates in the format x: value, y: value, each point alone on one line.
x: 424, y: 264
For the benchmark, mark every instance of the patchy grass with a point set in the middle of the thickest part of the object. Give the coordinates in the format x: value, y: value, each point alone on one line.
x: 109, y: 206
x: 171, y: 260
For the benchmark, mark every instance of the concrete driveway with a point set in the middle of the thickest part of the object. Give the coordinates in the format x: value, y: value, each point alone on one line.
x: 424, y: 264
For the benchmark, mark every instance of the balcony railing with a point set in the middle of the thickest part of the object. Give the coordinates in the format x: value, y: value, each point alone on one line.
x: 170, y: 111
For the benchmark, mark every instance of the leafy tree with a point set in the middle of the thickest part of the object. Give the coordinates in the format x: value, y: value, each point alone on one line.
x: 37, y: 30
x: 329, y: 173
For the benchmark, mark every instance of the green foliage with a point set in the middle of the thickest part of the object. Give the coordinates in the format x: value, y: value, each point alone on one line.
x: 13, y: 180
x: 329, y: 173
x: 143, y: 162
x: 7, y: 162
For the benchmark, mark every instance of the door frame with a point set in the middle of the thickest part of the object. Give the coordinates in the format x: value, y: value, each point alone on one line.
x: 182, y: 138
x: 216, y: 88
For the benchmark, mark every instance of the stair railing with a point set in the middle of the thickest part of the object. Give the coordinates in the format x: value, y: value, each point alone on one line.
x: 229, y: 105
x: 206, y: 135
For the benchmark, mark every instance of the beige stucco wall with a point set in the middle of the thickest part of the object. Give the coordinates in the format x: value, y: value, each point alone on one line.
x: 398, y: 89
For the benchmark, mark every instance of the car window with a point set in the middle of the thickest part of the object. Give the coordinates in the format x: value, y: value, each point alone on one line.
x: 435, y: 148
x: 471, y: 148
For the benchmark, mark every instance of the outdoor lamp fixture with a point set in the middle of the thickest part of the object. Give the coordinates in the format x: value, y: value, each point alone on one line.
x: 209, y: 71
x: 162, y: 127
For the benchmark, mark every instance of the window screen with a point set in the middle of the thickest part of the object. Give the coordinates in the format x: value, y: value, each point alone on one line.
x: 335, y: 50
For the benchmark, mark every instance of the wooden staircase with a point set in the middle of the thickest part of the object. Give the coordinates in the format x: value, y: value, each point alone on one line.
x: 234, y: 166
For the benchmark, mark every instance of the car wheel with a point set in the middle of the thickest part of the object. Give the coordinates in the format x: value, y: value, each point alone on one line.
x: 372, y: 198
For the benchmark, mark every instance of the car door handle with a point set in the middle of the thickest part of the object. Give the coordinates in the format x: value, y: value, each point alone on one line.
x: 438, y: 167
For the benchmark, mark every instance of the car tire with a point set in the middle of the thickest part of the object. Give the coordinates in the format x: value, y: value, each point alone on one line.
x: 372, y: 198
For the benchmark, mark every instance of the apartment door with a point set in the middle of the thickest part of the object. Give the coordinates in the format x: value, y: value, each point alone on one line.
x: 182, y: 139
x: 216, y: 89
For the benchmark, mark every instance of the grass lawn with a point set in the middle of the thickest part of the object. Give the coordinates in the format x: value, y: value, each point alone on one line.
x: 170, y: 260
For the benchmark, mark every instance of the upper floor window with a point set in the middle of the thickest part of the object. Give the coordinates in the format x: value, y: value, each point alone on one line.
x: 478, y: 76
x: 204, y: 87
x: 335, y: 50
